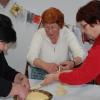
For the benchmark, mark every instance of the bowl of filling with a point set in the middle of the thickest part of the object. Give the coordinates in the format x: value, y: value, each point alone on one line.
x: 39, y: 95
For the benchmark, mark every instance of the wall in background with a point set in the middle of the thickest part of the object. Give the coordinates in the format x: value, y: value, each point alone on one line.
x: 17, y: 56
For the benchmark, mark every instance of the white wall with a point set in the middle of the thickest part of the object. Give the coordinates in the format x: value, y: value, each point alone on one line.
x: 17, y: 57
x: 69, y: 7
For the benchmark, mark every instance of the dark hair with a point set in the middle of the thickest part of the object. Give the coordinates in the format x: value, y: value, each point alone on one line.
x: 53, y: 15
x: 7, y: 33
x: 89, y: 13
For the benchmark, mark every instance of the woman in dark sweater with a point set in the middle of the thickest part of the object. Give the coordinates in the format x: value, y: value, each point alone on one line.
x: 11, y: 82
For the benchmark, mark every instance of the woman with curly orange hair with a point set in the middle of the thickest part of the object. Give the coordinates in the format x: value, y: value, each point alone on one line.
x: 51, y: 44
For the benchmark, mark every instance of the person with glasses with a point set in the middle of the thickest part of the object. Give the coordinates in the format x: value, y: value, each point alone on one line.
x: 89, y: 18
x: 12, y: 82
x: 51, y: 45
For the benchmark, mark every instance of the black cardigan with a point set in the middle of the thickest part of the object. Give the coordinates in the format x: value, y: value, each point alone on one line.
x: 7, y: 75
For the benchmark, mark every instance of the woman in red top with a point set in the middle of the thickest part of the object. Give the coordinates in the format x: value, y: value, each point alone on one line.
x: 89, y: 18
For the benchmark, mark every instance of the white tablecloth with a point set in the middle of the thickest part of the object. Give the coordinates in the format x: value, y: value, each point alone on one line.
x: 81, y: 92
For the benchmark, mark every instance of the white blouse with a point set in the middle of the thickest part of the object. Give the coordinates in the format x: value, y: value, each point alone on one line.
x: 42, y: 47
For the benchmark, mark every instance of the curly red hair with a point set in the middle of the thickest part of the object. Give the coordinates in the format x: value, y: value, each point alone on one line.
x: 53, y: 15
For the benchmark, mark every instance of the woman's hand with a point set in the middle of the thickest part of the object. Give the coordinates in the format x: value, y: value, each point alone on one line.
x: 51, y: 67
x: 25, y: 82
x: 67, y: 65
x: 50, y: 78
x: 22, y: 79
x: 18, y: 90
